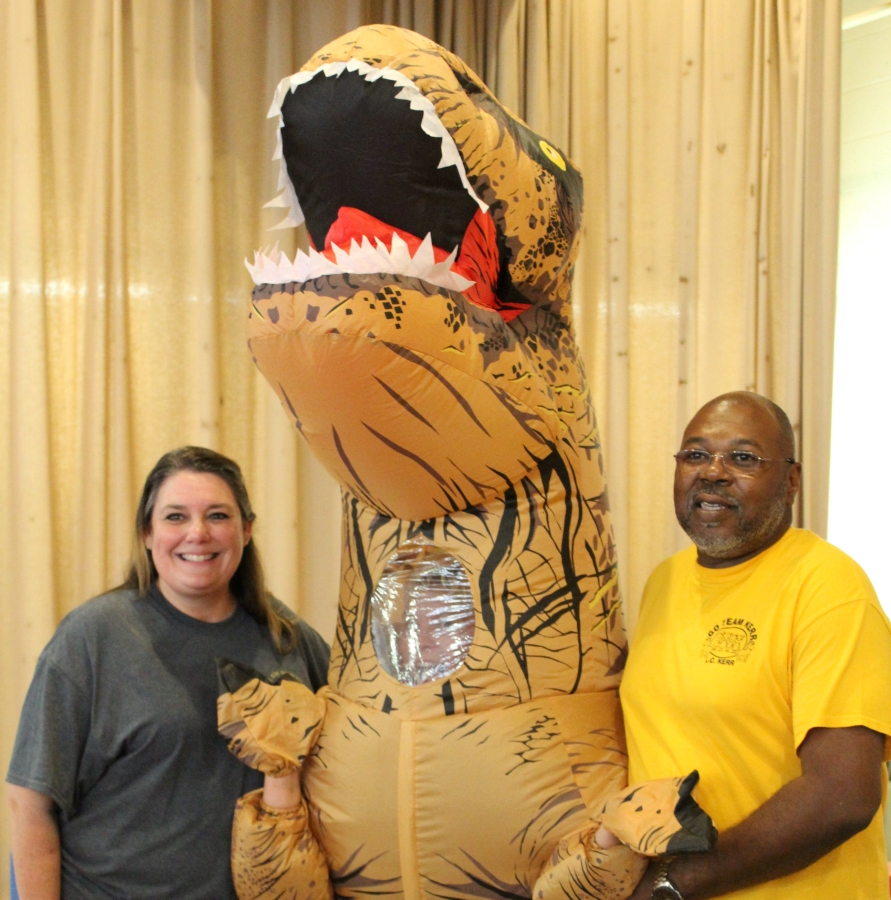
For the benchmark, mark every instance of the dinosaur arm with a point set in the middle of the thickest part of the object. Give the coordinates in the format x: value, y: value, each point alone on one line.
x: 272, y: 727
x: 275, y: 854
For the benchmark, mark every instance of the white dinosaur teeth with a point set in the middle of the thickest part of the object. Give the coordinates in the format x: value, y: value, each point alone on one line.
x: 423, y: 260
x: 343, y: 259
x: 318, y: 263
x: 272, y: 266
x: 287, y: 200
x: 400, y: 254
x: 444, y: 269
x: 288, y: 222
x: 366, y: 256
x: 430, y: 124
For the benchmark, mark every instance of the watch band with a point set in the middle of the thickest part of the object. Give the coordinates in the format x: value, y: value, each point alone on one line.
x: 663, y: 887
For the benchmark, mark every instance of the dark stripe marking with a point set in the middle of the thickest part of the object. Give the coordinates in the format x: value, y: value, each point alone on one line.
x: 413, y: 357
x: 403, y: 403
x: 347, y: 462
x: 409, y: 455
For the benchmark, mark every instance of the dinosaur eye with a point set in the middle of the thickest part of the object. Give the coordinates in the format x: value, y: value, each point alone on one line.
x: 553, y: 155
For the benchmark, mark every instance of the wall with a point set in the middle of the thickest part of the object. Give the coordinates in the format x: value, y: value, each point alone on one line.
x: 860, y: 426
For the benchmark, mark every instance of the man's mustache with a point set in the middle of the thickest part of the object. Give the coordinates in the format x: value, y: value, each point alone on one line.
x: 713, y: 491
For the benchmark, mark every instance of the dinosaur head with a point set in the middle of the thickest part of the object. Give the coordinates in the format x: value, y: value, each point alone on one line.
x: 424, y: 345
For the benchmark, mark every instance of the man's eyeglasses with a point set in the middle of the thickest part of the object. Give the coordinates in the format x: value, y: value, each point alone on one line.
x: 742, y: 462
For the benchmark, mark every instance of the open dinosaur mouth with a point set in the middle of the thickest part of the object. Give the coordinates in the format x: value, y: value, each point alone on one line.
x: 366, y: 162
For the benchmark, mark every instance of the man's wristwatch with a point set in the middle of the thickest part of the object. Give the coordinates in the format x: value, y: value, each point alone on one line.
x: 663, y: 887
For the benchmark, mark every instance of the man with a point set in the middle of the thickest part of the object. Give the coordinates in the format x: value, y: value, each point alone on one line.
x: 761, y: 658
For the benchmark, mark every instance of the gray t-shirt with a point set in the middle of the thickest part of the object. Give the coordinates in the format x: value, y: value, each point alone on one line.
x: 119, y: 728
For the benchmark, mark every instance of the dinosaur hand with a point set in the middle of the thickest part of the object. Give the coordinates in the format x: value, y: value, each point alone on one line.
x: 269, y: 726
x: 659, y: 817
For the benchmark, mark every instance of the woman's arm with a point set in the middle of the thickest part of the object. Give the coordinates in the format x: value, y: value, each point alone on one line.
x: 282, y: 792
x: 35, y: 844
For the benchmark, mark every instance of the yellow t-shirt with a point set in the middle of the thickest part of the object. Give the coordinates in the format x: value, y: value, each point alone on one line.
x: 730, y: 668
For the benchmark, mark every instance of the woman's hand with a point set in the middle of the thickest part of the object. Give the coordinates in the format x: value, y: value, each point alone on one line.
x: 35, y: 844
x: 281, y: 792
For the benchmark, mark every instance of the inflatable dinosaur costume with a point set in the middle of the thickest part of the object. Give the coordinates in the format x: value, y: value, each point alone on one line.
x: 470, y: 743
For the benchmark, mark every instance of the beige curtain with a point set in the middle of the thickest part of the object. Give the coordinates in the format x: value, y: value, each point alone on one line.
x: 731, y: 273
x: 707, y: 132
x: 134, y: 161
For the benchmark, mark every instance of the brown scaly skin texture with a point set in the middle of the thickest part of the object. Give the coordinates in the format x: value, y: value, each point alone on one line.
x: 475, y: 431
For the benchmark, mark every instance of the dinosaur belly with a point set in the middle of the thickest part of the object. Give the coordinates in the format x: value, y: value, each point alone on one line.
x: 546, y: 612
x: 462, y: 805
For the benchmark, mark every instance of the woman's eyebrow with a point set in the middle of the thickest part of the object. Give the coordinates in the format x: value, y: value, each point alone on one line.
x: 211, y: 506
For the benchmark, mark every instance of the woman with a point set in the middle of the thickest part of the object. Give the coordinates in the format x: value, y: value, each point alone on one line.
x: 119, y: 784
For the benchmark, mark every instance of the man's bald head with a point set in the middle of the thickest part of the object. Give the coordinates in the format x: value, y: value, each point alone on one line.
x: 785, y: 432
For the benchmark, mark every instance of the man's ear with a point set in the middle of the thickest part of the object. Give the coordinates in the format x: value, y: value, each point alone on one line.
x: 793, y: 482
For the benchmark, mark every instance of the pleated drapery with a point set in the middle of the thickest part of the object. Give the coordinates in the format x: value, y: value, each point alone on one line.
x: 134, y: 162
x: 707, y: 133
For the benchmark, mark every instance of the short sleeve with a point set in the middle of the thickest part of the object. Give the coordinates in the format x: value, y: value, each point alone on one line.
x: 316, y: 653
x: 841, y: 671
x: 51, y: 737
x: 311, y: 651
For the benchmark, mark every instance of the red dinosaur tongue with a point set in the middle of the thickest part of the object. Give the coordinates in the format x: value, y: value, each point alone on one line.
x: 353, y: 224
x: 477, y: 260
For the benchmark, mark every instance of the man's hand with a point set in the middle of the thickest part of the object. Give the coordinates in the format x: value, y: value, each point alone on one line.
x: 836, y: 796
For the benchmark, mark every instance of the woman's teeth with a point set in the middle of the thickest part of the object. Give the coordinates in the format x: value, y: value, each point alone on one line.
x: 197, y: 557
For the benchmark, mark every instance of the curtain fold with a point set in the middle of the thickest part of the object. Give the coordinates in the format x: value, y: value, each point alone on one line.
x: 135, y: 159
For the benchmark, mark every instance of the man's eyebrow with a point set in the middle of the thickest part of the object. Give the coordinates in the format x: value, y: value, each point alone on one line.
x: 736, y: 442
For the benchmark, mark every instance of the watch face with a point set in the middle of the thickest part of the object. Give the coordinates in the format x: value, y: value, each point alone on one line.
x: 666, y: 892
x: 663, y: 889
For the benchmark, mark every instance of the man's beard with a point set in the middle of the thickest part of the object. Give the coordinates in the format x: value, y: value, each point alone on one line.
x: 749, y: 536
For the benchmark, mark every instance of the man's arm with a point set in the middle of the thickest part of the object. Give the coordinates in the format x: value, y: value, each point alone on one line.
x: 35, y: 844
x: 836, y: 796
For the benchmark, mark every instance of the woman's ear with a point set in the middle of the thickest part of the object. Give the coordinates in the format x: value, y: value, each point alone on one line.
x: 147, y: 539
x: 248, y: 528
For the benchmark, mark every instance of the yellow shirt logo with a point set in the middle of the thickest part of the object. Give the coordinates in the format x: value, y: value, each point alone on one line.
x: 729, y: 642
